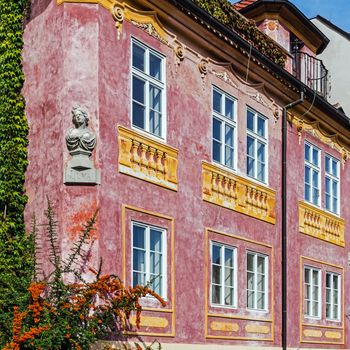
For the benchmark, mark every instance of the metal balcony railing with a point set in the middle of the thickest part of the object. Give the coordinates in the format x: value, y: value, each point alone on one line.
x: 311, y: 71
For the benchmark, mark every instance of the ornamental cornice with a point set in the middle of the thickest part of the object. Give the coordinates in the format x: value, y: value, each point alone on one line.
x: 316, y: 129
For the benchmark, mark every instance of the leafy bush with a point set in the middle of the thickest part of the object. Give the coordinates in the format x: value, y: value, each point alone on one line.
x: 64, y: 315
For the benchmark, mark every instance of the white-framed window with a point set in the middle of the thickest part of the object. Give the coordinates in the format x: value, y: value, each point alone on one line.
x: 332, y: 190
x: 257, y: 146
x: 312, y: 173
x: 149, y: 257
x: 257, y: 281
x: 224, y: 128
x: 148, y: 89
x: 312, y: 292
x: 332, y: 296
x: 223, y: 275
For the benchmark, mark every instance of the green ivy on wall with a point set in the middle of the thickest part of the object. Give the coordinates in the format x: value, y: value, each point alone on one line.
x: 223, y: 11
x: 16, y: 258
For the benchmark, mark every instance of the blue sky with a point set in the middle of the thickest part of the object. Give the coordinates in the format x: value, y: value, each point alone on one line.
x: 336, y: 11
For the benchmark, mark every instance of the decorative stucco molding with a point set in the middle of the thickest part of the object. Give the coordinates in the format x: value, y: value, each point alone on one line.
x: 315, y: 129
x: 237, y: 193
x: 108, y: 4
x: 321, y: 224
x: 256, y: 91
x: 147, y: 159
x: 150, y: 321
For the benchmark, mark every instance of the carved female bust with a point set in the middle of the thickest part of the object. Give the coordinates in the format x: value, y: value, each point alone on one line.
x: 80, y: 137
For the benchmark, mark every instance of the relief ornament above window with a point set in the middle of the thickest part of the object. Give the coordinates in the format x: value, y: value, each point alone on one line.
x: 81, y: 142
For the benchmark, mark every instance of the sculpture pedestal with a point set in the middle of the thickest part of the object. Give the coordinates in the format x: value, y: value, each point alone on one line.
x: 80, y: 170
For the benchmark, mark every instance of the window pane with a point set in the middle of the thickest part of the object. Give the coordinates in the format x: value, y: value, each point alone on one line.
x: 260, y: 283
x: 315, y: 179
x: 315, y: 309
x: 335, y: 205
x: 229, y: 296
x: 261, y: 264
x: 315, y: 274
x: 261, y: 152
x: 217, y: 151
x: 327, y: 165
x: 139, y: 260
x: 156, y: 240
x: 261, y: 126
x: 138, y: 90
x: 138, y: 236
x: 250, y: 281
x: 307, y: 276
x: 228, y: 277
x: 229, y: 157
x: 328, y: 280
x: 229, y: 135
x: 250, y: 262
x: 228, y: 257
x: 229, y: 112
x: 216, y: 129
x: 156, y: 284
x: 250, y: 299
x: 155, y: 66
x: 216, y: 294
x: 260, y: 300
x: 250, y: 147
x: 155, y: 98
x: 138, y: 57
x: 307, y: 175
x: 155, y: 123
x: 217, y: 101
x: 307, y: 152
x: 335, y: 168
x: 250, y: 120
x: 138, y: 115
x: 216, y: 278
x: 261, y: 171
x: 156, y: 263
x: 138, y: 279
x: 216, y: 254
x: 308, y: 192
x: 315, y: 156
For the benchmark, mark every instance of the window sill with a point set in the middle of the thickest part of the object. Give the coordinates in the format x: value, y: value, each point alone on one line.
x: 231, y: 191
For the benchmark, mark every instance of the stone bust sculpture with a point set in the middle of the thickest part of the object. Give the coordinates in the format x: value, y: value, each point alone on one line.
x: 81, y: 137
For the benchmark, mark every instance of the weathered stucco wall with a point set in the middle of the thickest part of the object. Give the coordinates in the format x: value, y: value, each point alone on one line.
x: 73, y: 56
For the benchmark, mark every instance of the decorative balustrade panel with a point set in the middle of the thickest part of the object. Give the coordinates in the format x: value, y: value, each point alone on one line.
x: 238, y: 194
x: 321, y: 224
x: 147, y: 159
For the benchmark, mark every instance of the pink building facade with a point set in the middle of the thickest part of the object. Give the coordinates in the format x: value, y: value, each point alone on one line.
x: 187, y: 168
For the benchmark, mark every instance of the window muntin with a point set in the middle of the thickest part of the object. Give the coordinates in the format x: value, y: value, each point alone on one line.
x: 256, y: 145
x: 149, y: 257
x: 332, y: 296
x: 148, y: 89
x: 312, y: 292
x: 312, y: 174
x: 223, y: 271
x: 332, y: 184
x: 224, y: 129
x: 257, y: 281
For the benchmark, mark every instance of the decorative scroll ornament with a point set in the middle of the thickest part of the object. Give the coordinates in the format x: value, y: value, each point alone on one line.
x: 81, y: 142
x: 118, y: 15
x: 203, y: 69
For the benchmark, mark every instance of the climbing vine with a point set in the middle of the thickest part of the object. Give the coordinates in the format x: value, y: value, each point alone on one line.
x: 16, y: 263
x: 223, y: 11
